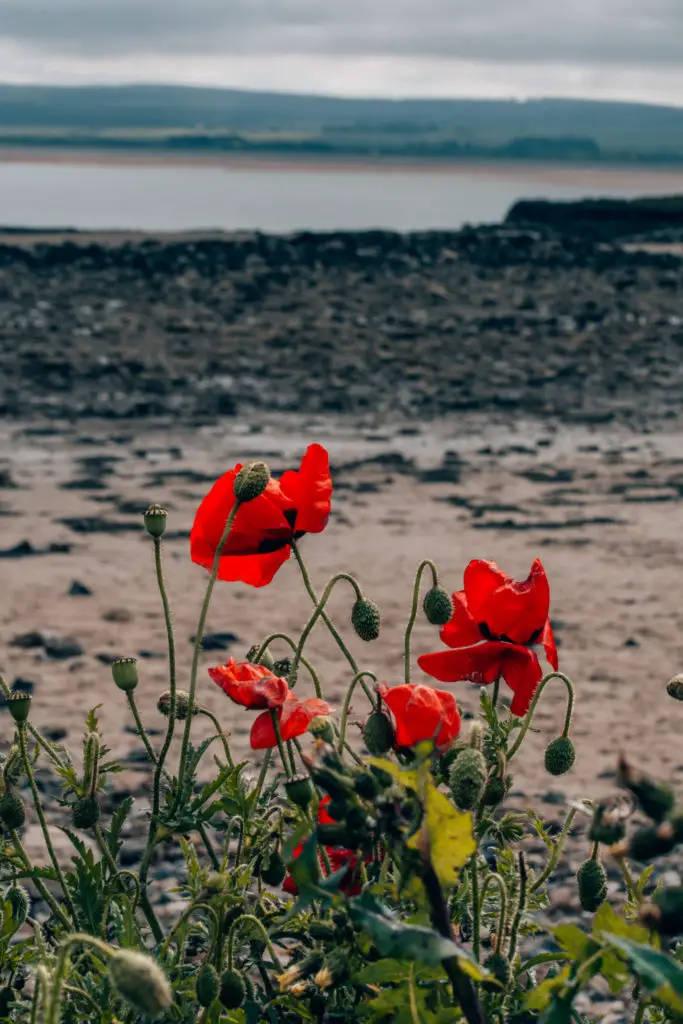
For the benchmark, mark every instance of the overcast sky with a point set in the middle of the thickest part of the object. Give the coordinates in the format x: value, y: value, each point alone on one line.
x: 623, y: 49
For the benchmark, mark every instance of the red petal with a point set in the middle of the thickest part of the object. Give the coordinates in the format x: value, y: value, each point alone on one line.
x: 421, y: 713
x: 296, y: 716
x: 309, y: 490
x: 548, y: 641
x: 255, y: 570
x: 522, y: 672
x: 262, y: 735
x: 515, y: 610
x: 462, y: 630
x: 252, y: 686
x: 480, y: 663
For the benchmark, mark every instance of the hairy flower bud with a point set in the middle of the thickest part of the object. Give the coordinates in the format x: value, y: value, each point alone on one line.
x: 155, y: 520
x: 140, y: 981
x: 496, y: 790
x: 322, y: 729
x: 324, y: 930
x: 378, y: 733
x: 332, y: 783
x: 12, y: 811
x: 365, y: 619
x: 299, y: 790
x: 85, y: 812
x: 675, y: 687
x: 182, y: 705
x: 592, y: 881
x: 207, y: 985
x: 250, y: 482
x: 366, y: 785
x: 664, y: 914
x: 499, y: 968
x: 438, y: 606
x: 334, y: 971
x: 125, y: 673
x: 468, y: 778
x: 656, y: 799
x: 265, y: 659
x: 275, y: 873
x: 607, y: 826
x: 20, y: 902
x: 560, y: 756
x: 19, y: 704
x: 232, y: 990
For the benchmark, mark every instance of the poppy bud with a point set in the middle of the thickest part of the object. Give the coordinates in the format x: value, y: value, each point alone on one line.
x: 324, y: 930
x: 140, y: 981
x: 384, y: 779
x: 438, y: 606
x: 85, y: 812
x: 675, y: 687
x: 155, y: 520
x: 322, y: 729
x: 91, y: 754
x: 19, y: 704
x: 366, y: 785
x: 664, y: 914
x: 560, y: 756
x: 20, y: 902
x: 592, y: 881
x: 331, y: 782
x: 266, y: 658
x: 207, y: 985
x: 250, y: 482
x: 496, y: 790
x: 499, y: 967
x: 125, y: 673
x: 607, y: 826
x: 182, y: 704
x: 232, y: 990
x: 282, y: 667
x: 654, y: 841
x: 334, y: 971
x: 365, y: 619
x: 299, y: 790
x: 378, y: 734
x: 656, y: 799
x: 12, y: 811
x: 468, y: 778
x: 275, y: 873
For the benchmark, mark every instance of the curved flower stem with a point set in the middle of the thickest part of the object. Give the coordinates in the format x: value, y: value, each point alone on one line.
x: 290, y: 751
x: 142, y: 733
x: 557, y: 851
x: 530, y: 713
x: 219, y: 732
x: 326, y: 619
x: 426, y: 564
x: 521, y: 907
x: 181, y: 921
x: 161, y: 582
x: 414, y: 1015
x: 476, y: 904
x: 319, y: 610
x: 293, y: 645
x: 28, y: 768
x: 56, y: 760
x: 262, y: 774
x: 280, y: 744
x: 198, y: 640
x: 54, y: 1014
x: 498, y: 881
x: 215, y: 863
x: 347, y: 704
x: 39, y: 884
x: 40, y: 994
x: 631, y: 889
x: 266, y: 938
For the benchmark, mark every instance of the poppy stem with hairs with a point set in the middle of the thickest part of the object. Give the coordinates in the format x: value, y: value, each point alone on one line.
x: 198, y: 640
x: 530, y: 713
x: 326, y: 619
x: 426, y: 564
x: 319, y: 610
x: 499, y: 882
x: 304, y: 661
x: 280, y: 744
x: 347, y: 704
x: 161, y: 583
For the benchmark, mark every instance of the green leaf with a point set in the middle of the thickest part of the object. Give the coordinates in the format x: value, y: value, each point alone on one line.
x: 658, y: 972
x: 117, y: 822
x: 613, y: 968
x: 541, y: 997
x: 575, y: 942
x: 383, y: 972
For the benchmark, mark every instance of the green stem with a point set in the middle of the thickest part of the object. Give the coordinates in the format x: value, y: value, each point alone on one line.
x: 426, y: 564
x: 280, y: 745
x: 41, y: 818
x: 34, y: 732
x: 521, y: 907
x: 140, y: 727
x: 630, y: 884
x: 541, y: 960
x: 262, y: 774
x: 558, y: 847
x: 38, y: 882
x: 95, y: 1007
x: 476, y: 906
x: 40, y: 994
x: 414, y: 1015
x: 498, y: 881
x: 221, y: 735
x: 161, y: 582
x: 293, y: 646
x: 530, y: 713
x: 182, y: 919
x: 266, y: 938
x: 215, y: 863
x: 640, y: 1011
x: 347, y: 704
x: 319, y: 611
x: 62, y: 965
x: 290, y: 751
x: 198, y: 640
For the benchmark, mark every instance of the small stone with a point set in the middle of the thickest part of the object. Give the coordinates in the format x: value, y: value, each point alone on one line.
x: 78, y: 589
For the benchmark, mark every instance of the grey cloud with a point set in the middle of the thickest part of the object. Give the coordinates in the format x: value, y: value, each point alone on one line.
x: 641, y: 33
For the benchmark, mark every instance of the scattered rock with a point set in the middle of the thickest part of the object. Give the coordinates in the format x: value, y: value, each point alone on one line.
x: 78, y: 589
x: 98, y: 524
x: 53, y: 645
x: 217, y: 641
x: 117, y: 615
x: 26, y: 548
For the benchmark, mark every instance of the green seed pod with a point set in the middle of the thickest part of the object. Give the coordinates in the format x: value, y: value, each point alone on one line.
x: 438, y: 606
x: 182, y: 705
x: 283, y: 667
x: 323, y: 930
x: 12, y: 811
x: 654, y: 841
x: 365, y: 619
x: 265, y: 659
x: 140, y: 981
x: 85, y: 812
x: 322, y: 729
x: 275, y: 873
x: 378, y: 734
x: 468, y: 779
x: 675, y: 687
x: 366, y: 785
x: 125, y: 673
x: 250, y: 483
x: 592, y: 881
x: 232, y: 990
x: 499, y: 967
x: 299, y: 791
x: 607, y: 826
x: 19, y: 704
x: 332, y: 783
x: 560, y: 756
x: 656, y: 799
x: 207, y: 985
x: 664, y: 914
x: 496, y: 790
x: 155, y: 520
x: 20, y: 902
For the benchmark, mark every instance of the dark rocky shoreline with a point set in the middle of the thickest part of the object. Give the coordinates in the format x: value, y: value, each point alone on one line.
x: 508, y: 320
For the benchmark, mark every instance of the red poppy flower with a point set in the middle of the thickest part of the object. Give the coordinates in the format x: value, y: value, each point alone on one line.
x: 495, y: 625
x: 422, y: 713
x: 338, y: 858
x: 263, y: 530
x: 294, y: 717
x: 252, y: 686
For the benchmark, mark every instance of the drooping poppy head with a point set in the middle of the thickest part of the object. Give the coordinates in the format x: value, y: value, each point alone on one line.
x: 263, y: 529
x: 252, y: 686
x: 294, y: 717
x: 422, y: 713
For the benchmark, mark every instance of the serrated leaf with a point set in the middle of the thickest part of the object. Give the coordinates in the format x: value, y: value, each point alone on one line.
x: 542, y: 995
x: 118, y: 820
x: 659, y: 973
x: 613, y: 968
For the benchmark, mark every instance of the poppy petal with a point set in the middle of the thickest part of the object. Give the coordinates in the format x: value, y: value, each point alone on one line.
x: 517, y: 611
x: 548, y: 641
x: 522, y: 672
x: 251, y: 686
x: 310, y: 489
x: 296, y: 716
x: 461, y: 630
x: 480, y: 663
x: 421, y: 713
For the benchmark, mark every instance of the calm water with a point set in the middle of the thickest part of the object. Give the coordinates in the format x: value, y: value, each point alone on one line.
x: 169, y: 198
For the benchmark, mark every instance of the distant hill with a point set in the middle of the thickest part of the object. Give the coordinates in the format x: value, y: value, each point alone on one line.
x: 235, y: 120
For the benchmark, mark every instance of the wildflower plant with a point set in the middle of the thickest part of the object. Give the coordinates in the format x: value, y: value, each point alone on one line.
x: 376, y: 876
